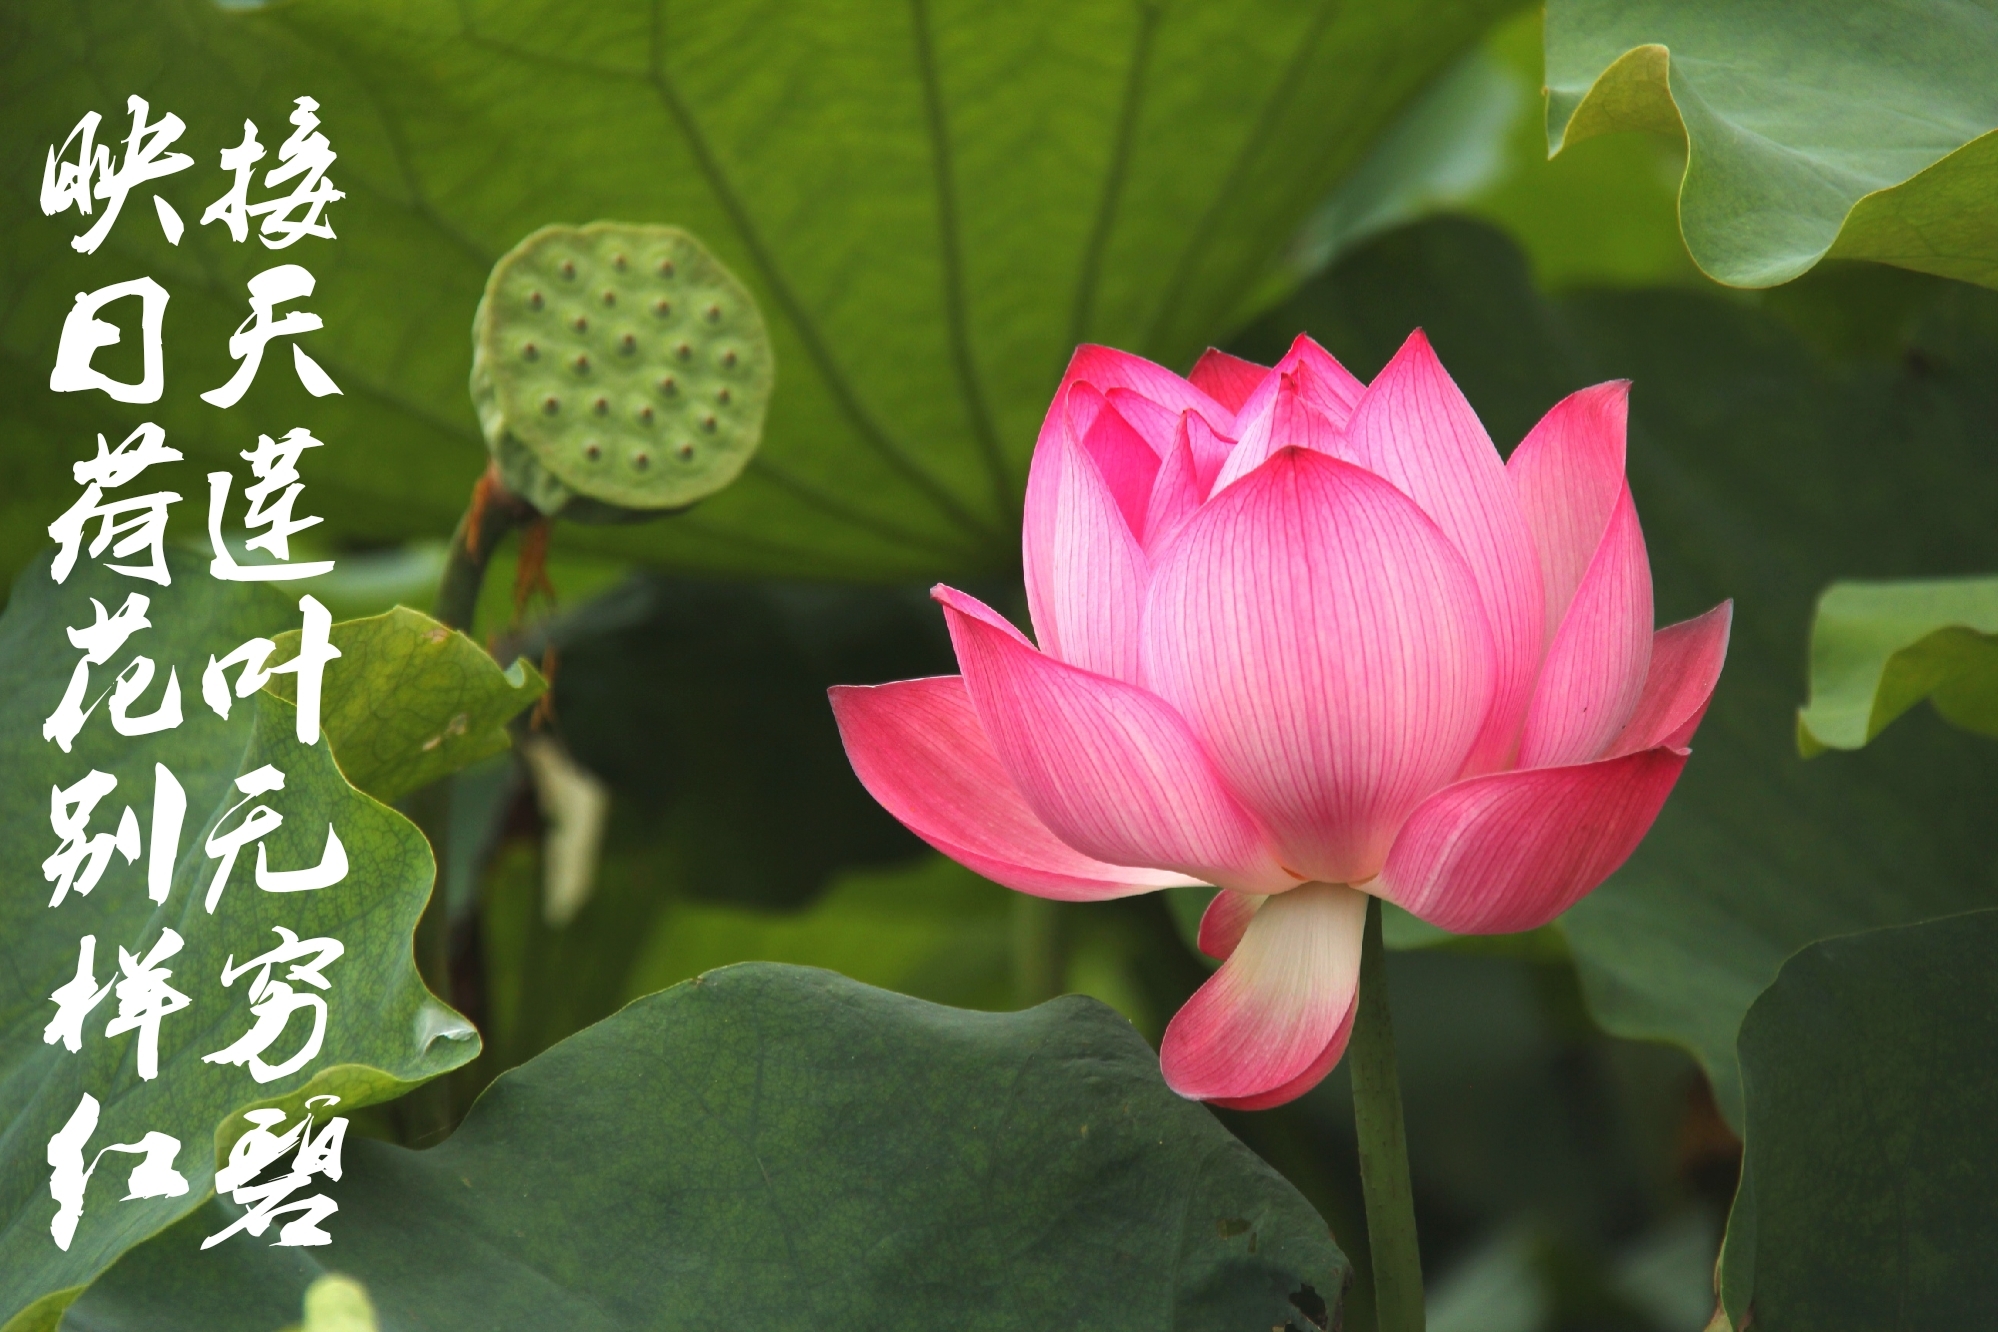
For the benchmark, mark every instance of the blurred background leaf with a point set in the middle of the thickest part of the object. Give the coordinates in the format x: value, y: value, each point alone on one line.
x: 1870, y: 1080
x: 773, y: 1145
x: 1867, y: 130
x: 1474, y: 142
x: 1035, y: 176
x: 703, y: 705
x: 336, y: 1304
x: 1878, y: 649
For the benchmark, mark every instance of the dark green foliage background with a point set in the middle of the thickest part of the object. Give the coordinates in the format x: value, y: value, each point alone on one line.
x: 932, y: 204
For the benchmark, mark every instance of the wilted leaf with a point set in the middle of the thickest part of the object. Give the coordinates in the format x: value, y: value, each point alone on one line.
x: 774, y: 1145
x: 383, y: 1033
x: 1877, y: 649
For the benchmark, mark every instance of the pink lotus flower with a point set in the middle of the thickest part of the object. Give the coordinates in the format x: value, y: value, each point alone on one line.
x: 1305, y: 639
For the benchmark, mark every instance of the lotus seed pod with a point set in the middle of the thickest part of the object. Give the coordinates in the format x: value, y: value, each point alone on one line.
x: 619, y: 371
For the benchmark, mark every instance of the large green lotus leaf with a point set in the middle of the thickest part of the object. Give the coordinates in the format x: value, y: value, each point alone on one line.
x: 932, y: 204
x: 384, y: 1032
x: 413, y: 701
x: 772, y: 1146
x: 1877, y: 649
x: 1871, y: 1067
x: 1865, y: 131
x: 1761, y: 470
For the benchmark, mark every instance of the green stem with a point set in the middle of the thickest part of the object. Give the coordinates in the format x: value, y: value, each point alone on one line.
x: 426, y: 1116
x: 1040, y: 961
x: 492, y: 515
x: 1383, y: 1143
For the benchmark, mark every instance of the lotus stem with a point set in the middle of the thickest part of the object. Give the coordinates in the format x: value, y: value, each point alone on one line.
x: 427, y: 1115
x: 494, y: 512
x: 1384, y: 1179
x: 1040, y: 954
